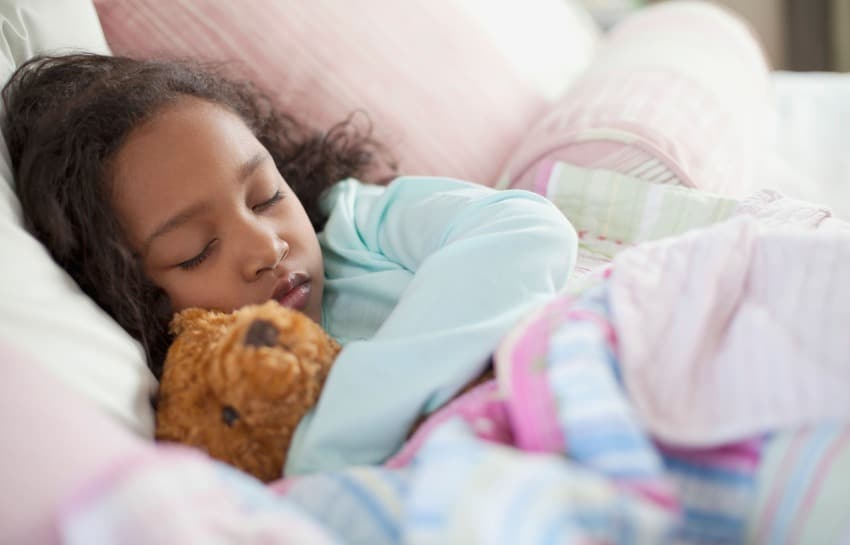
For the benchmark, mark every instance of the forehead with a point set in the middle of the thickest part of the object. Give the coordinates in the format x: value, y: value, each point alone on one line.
x: 178, y: 136
x: 175, y: 158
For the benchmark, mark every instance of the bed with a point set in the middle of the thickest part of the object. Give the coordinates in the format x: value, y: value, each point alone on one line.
x: 675, y: 152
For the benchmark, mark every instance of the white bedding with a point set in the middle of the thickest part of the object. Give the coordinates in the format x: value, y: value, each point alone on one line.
x: 811, y: 159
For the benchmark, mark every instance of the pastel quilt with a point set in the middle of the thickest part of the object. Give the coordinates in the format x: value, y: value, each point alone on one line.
x: 688, y: 389
x: 573, y: 442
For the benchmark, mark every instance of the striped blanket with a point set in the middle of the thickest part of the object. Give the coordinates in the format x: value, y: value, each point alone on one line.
x: 564, y: 445
x: 613, y: 211
x: 551, y: 451
x: 562, y: 396
x: 556, y: 449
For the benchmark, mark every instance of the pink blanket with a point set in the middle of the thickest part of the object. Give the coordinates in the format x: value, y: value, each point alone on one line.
x: 677, y: 94
x: 735, y: 329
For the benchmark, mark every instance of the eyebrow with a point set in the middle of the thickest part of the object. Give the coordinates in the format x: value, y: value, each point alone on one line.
x: 174, y: 222
x: 183, y: 216
x: 249, y: 166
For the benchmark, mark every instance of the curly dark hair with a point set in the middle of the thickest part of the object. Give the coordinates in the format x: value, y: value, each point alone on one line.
x: 66, y: 117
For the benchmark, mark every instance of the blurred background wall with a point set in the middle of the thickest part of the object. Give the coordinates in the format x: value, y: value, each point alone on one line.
x: 799, y: 35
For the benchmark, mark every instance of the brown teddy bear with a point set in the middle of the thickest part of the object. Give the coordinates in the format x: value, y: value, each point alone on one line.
x: 237, y: 384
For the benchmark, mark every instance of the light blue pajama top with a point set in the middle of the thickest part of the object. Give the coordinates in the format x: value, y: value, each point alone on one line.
x: 422, y: 279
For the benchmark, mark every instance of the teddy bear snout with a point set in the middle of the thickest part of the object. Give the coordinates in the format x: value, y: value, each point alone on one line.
x: 261, y: 333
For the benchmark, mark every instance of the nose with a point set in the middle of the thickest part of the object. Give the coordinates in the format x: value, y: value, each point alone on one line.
x: 261, y: 333
x: 263, y: 250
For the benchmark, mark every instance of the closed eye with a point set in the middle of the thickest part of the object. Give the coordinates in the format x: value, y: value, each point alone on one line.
x: 198, y: 259
x: 265, y: 205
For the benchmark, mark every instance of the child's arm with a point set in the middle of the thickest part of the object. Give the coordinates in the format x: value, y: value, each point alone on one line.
x: 476, y: 261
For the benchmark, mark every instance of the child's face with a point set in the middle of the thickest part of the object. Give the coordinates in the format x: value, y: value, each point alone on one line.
x: 214, y: 223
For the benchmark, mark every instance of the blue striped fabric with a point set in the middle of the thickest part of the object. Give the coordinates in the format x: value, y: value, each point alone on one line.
x: 610, y: 484
x: 804, y: 497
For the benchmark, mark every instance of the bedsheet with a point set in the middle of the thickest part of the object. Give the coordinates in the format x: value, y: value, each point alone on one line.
x: 612, y: 211
x: 561, y: 447
x: 734, y: 329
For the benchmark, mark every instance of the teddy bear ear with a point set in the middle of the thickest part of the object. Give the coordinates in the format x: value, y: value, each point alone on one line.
x: 194, y: 317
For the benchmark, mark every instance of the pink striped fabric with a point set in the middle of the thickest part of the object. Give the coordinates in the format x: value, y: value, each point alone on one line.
x: 678, y: 94
x: 483, y: 408
x: 438, y: 89
x: 805, y: 492
x: 822, y: 469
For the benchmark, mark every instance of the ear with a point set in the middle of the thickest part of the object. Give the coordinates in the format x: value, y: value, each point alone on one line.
x: 197, y: 318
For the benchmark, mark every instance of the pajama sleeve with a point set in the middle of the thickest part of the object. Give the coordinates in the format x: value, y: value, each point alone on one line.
x: 464, y: 262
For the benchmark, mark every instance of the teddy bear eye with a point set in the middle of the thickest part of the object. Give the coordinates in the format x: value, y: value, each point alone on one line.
x: 229, y: 415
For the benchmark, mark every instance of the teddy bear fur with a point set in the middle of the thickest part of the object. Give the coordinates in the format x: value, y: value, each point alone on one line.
x: 236, y: 384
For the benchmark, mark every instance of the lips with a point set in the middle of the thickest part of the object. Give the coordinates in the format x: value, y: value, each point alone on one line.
x: 294, y: 291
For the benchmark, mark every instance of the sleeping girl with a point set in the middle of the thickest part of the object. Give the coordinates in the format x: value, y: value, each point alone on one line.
x: 163, y: 185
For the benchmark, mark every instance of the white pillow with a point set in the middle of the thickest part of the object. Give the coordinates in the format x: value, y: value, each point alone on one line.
x: 552, y: 42
x: 43, y: 313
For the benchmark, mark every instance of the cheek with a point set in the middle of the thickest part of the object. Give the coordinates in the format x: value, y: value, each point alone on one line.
x: 313, y: 254
x: 186, y: 291
x: 177, y: 296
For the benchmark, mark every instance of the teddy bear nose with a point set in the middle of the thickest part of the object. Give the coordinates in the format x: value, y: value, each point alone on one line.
x: 261, y: 333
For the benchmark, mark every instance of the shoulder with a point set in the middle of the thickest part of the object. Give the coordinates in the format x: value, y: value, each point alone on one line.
x: 352, y: 188
x: 432, y: 208
x: 352, y: 197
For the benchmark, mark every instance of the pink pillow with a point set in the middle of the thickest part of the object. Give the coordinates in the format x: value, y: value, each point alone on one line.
x: 55, y: 441
x: 678, y: 93
x: 437, y: 85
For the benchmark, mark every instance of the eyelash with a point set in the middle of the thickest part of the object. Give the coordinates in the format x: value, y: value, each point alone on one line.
x: 198, y: 259
x: 276, y: 198
x: 205, y: 253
